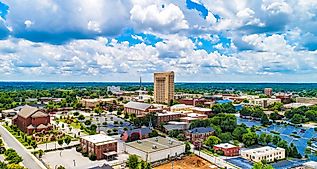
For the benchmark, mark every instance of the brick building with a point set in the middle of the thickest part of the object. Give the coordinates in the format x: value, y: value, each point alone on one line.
x: 31, y: 119
x: 168, y: 116
x: 136, y: 134
x: 137, y: 108
x: 227, y: 149
x: 101, y: 145
x: 199, y: 134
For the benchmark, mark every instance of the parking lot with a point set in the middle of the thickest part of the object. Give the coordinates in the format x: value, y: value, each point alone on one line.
x: 72, y: 159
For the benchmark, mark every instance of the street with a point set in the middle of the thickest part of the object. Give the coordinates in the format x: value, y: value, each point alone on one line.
x: 29, y: 160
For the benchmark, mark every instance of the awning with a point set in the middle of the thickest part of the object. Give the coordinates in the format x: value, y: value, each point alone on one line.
x: 110, y: 153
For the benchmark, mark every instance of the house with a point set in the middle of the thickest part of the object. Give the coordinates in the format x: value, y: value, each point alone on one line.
x: 227, y: 149
x: 199, y: 134
x: 137, y: 108
x: 31, y: 119
x: 101, y: 145
x: 136, y: 134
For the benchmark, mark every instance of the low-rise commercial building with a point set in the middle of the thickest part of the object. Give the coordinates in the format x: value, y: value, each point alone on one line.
x: 155, y: 149
x: 199, y: 134
x: 193, y: 116
x: 176, y: 125
x: 92, y: 103
x: 181, y: 108
x: 137, y: 108
x: 200, y: 110
x: 265, y: 102
x: 270, y: 154
x: 101, y: 145
x: 308, y: 100
x: 227, y: 149
x: 168, y: 116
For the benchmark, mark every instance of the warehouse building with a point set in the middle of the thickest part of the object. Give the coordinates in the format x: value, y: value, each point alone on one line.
x: 155, y: 149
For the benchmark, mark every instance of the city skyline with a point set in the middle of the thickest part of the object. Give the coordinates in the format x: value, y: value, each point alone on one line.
x: 106, y: 41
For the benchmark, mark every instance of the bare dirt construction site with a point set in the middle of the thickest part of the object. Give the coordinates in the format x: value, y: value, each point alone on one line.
x: 189, y: 162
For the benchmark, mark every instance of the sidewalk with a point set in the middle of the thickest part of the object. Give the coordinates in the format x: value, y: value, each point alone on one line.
x: 215, y: 160
x: 55, y: 145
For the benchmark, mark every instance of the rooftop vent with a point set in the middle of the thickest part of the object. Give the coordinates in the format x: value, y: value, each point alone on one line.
x: 154, y: 147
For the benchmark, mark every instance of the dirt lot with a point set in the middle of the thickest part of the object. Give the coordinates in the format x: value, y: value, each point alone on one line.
x: 190, y: 162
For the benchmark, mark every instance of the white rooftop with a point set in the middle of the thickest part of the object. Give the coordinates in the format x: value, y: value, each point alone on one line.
x: 311, y: 164
x: 98, y: 138
x: 201, y: 109
x: 178, y: 106
x: 195, y: 115
x: 225, y: 145
x: 168, y: 113
x: 262, y: 150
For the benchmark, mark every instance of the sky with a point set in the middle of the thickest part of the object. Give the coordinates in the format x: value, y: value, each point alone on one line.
x: 121, y: 40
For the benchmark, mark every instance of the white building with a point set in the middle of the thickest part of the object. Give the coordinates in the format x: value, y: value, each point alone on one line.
x: 155, y: 149
x: 114, y: 89
x: 263, y: 153
x: 310, y: 165
x: 264, y: 102
x: 181, y: 108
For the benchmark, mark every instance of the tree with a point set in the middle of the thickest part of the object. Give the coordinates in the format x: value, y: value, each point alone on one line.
x: 81, y: 117
x: 265, y: 120
x: 133, y: 161
x: 265, y: 139
x: 154, y: 133
x: 187, y: 147
x: 298, y: 118
x: 276, y: 139
x: 275, y: 116
x: 249, y: 139
x: 225, y: 137
x: 15, y: 166
x: 60, y: 142
x: 61, y: 167
x: 33, y: 144
x: 87, y: 122
x: 67, y: 140
x: 260, y: 165
x: 211, y: 141
x: 238, y: 132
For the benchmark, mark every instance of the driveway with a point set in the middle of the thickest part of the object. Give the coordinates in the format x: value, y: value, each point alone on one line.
x: 29, y: 160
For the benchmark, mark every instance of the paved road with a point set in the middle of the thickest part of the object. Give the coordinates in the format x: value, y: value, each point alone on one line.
x: 29, y: 160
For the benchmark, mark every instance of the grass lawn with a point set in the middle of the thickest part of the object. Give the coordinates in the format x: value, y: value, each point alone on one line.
x: 19, y: 138
x: 75, y: 125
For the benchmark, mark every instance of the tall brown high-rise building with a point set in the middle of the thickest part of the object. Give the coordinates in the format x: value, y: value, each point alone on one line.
x: 163, y: 87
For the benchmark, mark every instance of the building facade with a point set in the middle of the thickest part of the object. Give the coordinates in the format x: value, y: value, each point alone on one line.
x: 155, y: 149
x: 199, y: 134
x: 168, y: 116
x: 268, y: 91
x: 138, y: 108
x: 31, y: 119
x: 270, y: 154
x: 163, y: 87
x: 227, y: 149
x: 101, y: 145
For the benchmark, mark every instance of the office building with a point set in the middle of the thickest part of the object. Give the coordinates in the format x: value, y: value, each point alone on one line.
x: 270, y: 154
x: 101, y: 145
x: 155, y: 149
x: 227, y: 149
x: 163, y: 87
x: 268, y: 91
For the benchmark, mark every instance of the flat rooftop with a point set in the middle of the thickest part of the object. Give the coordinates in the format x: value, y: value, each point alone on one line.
x: 98, y: 138
x: 262, y: 150
x: 168, y: 113
x: 225, y: 145
x: 154, y: 144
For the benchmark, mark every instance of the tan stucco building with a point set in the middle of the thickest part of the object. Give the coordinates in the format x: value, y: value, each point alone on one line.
x: 163, y: 87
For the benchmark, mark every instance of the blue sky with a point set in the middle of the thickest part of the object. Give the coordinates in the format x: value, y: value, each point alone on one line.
x: 201, y: 40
